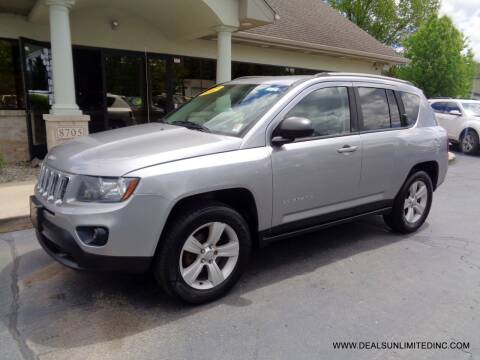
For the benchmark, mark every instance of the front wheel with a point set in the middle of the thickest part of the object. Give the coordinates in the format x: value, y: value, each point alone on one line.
x: 469, y: 142
x: 203, y: 253
x: 412, y: 204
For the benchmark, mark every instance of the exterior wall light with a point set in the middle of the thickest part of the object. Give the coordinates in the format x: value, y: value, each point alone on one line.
x: 114, y: 24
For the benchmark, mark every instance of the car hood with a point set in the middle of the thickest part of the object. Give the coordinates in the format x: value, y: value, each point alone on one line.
x: 117, y: 152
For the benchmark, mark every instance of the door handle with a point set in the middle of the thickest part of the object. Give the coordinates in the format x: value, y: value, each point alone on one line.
x: 347, y: 149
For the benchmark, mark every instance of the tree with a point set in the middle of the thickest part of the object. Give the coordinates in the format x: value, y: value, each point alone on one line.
x: 441, y: 63
x: 389, y: 21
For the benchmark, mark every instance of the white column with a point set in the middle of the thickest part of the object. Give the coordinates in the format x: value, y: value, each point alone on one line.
x: 62, y: 61
x: 65, y: 120
x: 224, y: 53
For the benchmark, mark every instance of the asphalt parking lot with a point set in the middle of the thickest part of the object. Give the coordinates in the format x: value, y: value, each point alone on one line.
x: 356, y: 282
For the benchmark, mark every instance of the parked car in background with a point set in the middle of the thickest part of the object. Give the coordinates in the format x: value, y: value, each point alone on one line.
x: 120, y: 113
x: 244, y: 163
x: 8, y: 101
x: 461, y: 119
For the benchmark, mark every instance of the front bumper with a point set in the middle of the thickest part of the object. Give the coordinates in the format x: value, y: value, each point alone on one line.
x: 62, y: 244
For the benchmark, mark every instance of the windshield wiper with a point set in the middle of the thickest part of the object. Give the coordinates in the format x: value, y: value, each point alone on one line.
x: 191, y: 125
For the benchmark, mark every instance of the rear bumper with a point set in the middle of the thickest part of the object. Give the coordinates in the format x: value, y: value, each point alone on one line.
x: 61, y: 245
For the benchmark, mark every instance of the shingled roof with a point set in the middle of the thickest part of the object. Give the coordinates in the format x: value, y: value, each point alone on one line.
x: 314, y: 25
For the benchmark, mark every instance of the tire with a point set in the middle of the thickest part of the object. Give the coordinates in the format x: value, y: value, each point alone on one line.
x: 204, y: 283
x: 469, y: 142
x: 400, y: 219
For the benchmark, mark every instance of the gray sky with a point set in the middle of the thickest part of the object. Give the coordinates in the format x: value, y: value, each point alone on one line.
x: 466, y: 16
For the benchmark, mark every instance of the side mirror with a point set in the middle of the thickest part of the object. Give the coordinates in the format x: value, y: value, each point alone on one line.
x: 455, y: 113
x: 292, y: 128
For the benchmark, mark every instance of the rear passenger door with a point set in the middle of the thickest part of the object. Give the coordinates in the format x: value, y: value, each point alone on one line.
x: 382, y: 120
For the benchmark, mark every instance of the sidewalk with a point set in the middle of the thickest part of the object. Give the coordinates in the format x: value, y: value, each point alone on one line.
x: 14, y: 205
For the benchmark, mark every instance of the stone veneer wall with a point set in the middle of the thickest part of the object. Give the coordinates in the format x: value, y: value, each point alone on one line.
x: 13, y: 136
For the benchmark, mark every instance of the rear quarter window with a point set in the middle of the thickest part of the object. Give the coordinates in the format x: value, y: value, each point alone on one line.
x: 411, y: 103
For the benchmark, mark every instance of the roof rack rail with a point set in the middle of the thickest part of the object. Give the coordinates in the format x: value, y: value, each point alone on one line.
x: 248, y: 77
x: 440, y: 98
x: 362, y: 75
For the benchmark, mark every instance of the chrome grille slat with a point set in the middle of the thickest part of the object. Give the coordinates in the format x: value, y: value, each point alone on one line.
x: 65, y: 180
x: 46, y: 183
x: 40, y: 177
x: 52, y: 185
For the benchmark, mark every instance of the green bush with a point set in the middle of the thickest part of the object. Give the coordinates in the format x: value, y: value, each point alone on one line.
x: 3, y: 162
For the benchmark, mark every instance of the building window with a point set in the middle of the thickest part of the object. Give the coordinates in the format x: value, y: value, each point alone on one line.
x: 125, y: 85
x: 240, y: 69
x: 191, y: 77
x: 11, y: 89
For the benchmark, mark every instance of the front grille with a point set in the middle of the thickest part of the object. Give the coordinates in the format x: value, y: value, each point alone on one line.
x: 52, y: 184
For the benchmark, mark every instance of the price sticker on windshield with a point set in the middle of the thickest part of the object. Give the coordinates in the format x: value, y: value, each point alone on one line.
x: 212, y: 90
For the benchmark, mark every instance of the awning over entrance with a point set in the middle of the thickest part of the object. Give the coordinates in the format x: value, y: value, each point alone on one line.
x: 186, y: 19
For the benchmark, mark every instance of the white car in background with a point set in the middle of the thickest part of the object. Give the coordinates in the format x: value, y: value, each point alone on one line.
x: 461, y: 119
x: 119, y: 111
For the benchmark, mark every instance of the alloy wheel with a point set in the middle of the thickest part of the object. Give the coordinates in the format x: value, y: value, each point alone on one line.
x: 415, y: 202
x: 468, y: 142
x: 209, y: 255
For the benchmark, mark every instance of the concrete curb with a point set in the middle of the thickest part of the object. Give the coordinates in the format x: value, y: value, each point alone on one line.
x: 15, y: 224
x: 451, y: 157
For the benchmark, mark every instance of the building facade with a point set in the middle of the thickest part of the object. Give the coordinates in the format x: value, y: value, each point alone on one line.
x: 121, y: 62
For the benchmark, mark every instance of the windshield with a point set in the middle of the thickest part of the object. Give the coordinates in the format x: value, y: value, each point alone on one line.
x: 227, y: 109
x: 472, y: 108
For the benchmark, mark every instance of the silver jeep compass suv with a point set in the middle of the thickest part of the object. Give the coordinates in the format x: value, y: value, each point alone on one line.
x: 246, y: 162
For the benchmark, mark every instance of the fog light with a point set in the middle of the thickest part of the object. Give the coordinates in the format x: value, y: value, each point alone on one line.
x: 93, y: 235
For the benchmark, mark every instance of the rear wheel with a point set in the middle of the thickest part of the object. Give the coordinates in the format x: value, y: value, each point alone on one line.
x: 412, y: 204
x: 469, y: 142
x: 203, y: 253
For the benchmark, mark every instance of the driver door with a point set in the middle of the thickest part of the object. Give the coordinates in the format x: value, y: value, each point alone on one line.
x: 317, y: 176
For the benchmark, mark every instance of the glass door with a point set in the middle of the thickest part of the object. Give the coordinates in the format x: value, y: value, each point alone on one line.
x: 39, y: 92
x: 125, y: 88
x: 89, y: 86
x: 159, y: 87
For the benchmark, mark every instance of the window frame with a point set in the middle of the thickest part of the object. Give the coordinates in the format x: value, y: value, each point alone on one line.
x: 394, y: 99
x: 303, y: 94
x: 401, y: 107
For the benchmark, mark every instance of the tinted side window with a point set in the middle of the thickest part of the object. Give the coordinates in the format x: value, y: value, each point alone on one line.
x: 394, y: 111
x: 451, y: 106
x: 328, y: 109
x: 374, y: 107
x: 439, y: 107
x: 411, y: 102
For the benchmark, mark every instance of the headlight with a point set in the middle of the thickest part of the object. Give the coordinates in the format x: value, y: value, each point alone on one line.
x: 106, y: 189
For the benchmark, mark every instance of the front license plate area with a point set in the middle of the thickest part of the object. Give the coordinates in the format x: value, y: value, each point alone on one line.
x: 36, y: 210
